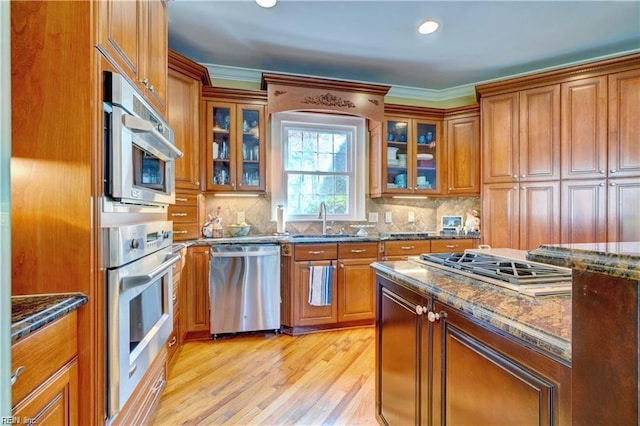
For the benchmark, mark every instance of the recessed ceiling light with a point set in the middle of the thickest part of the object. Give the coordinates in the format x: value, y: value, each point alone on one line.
x: 266, y: 3
x: 428, y: 27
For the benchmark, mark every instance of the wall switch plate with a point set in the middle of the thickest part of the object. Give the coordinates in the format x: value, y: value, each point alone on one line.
x: 373, y: 217
x: 388, y: 218
x: 411, y: 217
x: 240, y: 217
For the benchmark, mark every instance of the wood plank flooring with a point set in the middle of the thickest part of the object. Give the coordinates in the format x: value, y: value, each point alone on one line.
x: 266, y: 379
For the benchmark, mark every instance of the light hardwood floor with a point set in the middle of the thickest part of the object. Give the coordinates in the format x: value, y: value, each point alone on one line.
x: 266, y: 379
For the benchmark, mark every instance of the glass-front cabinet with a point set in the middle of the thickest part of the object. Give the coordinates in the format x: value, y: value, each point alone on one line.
x: 410, y: 158
x: 236, y: 147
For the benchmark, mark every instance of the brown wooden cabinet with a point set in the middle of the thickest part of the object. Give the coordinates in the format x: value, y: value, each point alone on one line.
x: 451, y: 368
x: 356, y: 281
x: 187, y: 215
x: 195, y: 295
x: 185, y: 80
x: 46, y: 367
x: 500, y: 138
x: 623, y: 198
x: 624, y: 130
x: 453, y: 245
x: 175, y: 338
x: 134, y: 36
x: 236, y: 147
x: 521, y: 215
x: 462, y: 136
x: 401, y: 249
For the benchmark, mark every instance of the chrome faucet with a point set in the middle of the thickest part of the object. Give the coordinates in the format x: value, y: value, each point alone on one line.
x: 322, y: 214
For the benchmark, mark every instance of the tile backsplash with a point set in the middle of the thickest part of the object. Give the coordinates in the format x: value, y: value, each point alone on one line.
x: 426, y: 213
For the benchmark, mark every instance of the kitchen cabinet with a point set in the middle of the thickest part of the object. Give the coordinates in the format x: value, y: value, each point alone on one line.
x: 411, y: 155
x: 188, y: 215
x: 236, y: 147
x: 194, y: 311
x: 185, y: 80
x: 45, y: 366
x: 401, y: 249
x: 134, y: 36
x: 462, y: 136
x: 453, y: 245
x: 521, y: 135
x: 436, y: 365
x: 352, y: 285
x: 175, y: 338
x: 624, y: 130
x: 521, y: 215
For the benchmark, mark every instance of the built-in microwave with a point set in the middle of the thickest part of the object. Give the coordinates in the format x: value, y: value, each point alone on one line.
x: 139, y: 150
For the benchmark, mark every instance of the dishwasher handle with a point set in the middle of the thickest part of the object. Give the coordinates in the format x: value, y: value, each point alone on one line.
x: 253, y: 253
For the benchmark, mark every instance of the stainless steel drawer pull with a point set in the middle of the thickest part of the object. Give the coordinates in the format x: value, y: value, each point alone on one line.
x: 180, y: 232
x: 316, y: 251
x: 173, y: 341
x: 16, y: 374
x: 407, y: 247
x: 453, y: 245
x: 179, y: 214
x: 182, y: 199
x: 358, y: 250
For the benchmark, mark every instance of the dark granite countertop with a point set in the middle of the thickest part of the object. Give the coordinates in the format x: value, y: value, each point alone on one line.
x: 332, y: 238
x: 620, y: 260
x: 31, y: 312
x: 542, y: 322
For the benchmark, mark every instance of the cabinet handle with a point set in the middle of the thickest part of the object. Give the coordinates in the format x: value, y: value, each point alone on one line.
x: 421, y: 309
x: 342, y: 266
x: 612, y: 184
x: 433, y: 316
x: 151, y: 89
x: 358, y: 250
x: 184, y: 200
x: 197, y: 183
x: 612, y: 171
x: 159, y: 385
x: 173, y: 341
x: 16, y: 374
x: 180, y: 232
x: 601, y: 172
x: 174, y: 297
x: 178, y: 214
x: 144, y: 81
x: 601, y: 184
x: 453, y: 245
x: 407, y: 247
x: 524, y: 188
x: 316, y: 251
x: 523, y: 175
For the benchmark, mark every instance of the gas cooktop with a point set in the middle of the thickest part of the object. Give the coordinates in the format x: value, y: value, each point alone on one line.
x: 534, y: 279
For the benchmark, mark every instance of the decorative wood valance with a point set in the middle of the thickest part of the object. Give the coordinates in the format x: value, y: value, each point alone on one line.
x: 297, y: 93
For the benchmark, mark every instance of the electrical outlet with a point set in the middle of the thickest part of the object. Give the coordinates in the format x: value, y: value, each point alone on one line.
x: 373, y: 217
x: 411, y: 217
x: 388, y: 218
x: 240, y: 217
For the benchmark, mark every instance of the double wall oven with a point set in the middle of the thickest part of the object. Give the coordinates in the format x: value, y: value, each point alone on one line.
x: 139, y: 184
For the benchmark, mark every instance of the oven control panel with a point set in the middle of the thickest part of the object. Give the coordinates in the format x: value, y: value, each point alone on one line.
x: 130, y: 242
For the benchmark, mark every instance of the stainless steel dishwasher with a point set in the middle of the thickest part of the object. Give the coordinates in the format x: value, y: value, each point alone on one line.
x: 244, y: 288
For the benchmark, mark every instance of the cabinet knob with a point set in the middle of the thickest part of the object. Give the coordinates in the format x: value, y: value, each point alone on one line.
x: 602, y: 172
x: 515, y: 187
x: 523, y: 188
x: 612, y: 171
x: 601, y: 184
x: 433, y: 316
x: 523, y: 175
x: 421, y: 309
x: 342, y: 266
x: 16, y: 374
x: 515, y: 176
x: 151, y: 89
x: 612, y: 184
x: 173, y: 341
x: 197, y: 183
x: 144, y: 81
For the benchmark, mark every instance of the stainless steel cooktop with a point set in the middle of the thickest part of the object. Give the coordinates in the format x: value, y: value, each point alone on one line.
x: 519, y: 274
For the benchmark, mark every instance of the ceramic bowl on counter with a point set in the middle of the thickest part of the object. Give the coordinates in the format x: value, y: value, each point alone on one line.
x: 238, y: 230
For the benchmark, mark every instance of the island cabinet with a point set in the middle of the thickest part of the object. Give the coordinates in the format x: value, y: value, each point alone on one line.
x: 134, y: 36
x: 194, y: 283
x: 438, y: 365
x: 44, y: 382
x: 351, y: 285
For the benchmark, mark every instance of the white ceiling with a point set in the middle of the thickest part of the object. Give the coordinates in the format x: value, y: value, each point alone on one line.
x: 378, y: 42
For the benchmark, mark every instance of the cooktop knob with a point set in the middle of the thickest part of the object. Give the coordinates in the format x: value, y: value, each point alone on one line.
x: 135, y: 243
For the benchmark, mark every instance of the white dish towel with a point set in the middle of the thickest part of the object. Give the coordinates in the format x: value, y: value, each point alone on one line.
x: 320, y: 280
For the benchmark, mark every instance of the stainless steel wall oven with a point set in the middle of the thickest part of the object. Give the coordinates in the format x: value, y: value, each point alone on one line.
x: 139, y: 150
x: 139, y: 304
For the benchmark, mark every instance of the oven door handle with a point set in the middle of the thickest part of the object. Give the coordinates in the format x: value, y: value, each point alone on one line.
x: 140, y: 280
x: 139, y: 125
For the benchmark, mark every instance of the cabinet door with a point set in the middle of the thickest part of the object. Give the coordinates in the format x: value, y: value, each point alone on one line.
x: 500, y: 132
x: 583, y: 211
x: 481, y: 386
x: 306, y: 314
x: 221, y: 128
x: 184, y: 119
x: 426, y: 158
x: 396, y: 155
x: 402, y: 347
x: 195, y: 306
x: 539, y: 147
x: 624, y: 204
x: 501, y: 215
x: 539, y: 214
x: 624, y: 131
x: 155, y: 54
x: 356, y: 294
x: 250, y: 149
x: 463, y: 156
x: 584, y: 128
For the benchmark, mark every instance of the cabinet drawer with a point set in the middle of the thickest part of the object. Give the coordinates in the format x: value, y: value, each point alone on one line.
x: 453, y: 246
x: 406, y: 248
x: 186, y: 231
x: 316, y: 251
x: 357, y: 250
x: 43, y: 353
x: 183, y: 214
x: 185, y: 200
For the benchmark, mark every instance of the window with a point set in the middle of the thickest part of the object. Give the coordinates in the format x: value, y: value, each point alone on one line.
x: 318, y: 157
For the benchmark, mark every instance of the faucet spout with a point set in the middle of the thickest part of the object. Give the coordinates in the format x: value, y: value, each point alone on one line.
x: 322, y: 214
